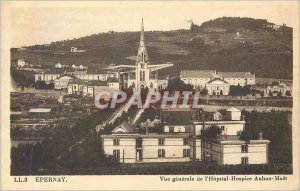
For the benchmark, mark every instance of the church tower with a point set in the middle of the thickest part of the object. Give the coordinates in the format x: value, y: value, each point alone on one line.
x: 142, y: 73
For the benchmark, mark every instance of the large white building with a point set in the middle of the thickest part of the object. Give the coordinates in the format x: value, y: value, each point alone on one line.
x: 186, y: 142
x: 48, y: 76
x: 217, y: 83
x: 129, y: 146
x: 62, y: 82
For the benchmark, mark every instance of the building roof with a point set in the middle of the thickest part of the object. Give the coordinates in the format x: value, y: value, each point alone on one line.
x: 125, y: 126
x: 259, y: 87
x: 40, y: 110
x: 55, y: 71
x: 235, y: 140
x: 237, y: 74
x: 65, y: 75
x: 97, y: 83
x: 178, y: 117
x: 217, y: 79
x: 233, y: 109
x: 197, y: 73
x: 149, y: 135
x: 98, y: 71
x: 50, y: 105
x: 77, y: 81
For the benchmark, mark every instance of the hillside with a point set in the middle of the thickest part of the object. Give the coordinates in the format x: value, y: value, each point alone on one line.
x: 225, y: 46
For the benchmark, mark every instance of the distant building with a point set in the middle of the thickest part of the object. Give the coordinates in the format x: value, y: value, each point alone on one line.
x: 238, y: 78
x: 21, y: 63
x: 74, y: 49
x: 45, y: 109
x: 185, y: 142
x: 280, y: 88
x: 86, y: 74
x: 49, y: 75
x: 40, y: 111
x: 197, y: 78
x: 217, y: 86
x: 217, y: 116
x: 62, y: 82
x: 215, y: 82
x: 113, y: 83
x: 58, y: 65
x: 84, y: 88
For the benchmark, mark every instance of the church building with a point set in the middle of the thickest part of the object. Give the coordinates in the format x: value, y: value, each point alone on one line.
x: 143, y: 75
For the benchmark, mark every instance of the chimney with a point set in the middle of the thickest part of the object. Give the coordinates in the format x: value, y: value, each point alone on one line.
x: 260, y: 136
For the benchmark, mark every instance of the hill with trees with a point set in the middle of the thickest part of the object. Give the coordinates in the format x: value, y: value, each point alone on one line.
x: 225, y: 44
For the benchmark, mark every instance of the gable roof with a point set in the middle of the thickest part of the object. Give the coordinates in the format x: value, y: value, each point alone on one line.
x: 65, y: 75
x: 233, y: 109
x: 217, y: 79
x: 197, y: 73
x: 125, y: 126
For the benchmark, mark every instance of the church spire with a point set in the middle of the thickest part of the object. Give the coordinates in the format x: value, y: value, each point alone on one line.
x: 142, y: 55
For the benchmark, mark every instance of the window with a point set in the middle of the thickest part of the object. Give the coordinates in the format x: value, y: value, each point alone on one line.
x: 116, y: 142
x: 142, y: 76
x: 185, y: 141
x: 161, y: 141
x: 139, y: 143
x: 244, y: 148
x: 223, y: 128
x: 116, y: 154
x: 186, y: 153
x: 171, y: 129
x: 161, y: 153
x: 245, y: 160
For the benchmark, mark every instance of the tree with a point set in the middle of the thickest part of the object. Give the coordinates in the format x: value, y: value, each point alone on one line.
x: 270, y: 94
x: 212, y: 132
x: 279, y: 94
x: 178, y: 85
x: 198, y: 43
x: 262, y: 94
x: 276, y: 128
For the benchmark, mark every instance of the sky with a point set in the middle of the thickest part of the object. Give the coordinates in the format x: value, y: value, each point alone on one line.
x: 37, y: 23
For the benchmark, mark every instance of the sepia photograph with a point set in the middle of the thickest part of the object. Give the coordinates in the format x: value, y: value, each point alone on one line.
x: 173, y: 89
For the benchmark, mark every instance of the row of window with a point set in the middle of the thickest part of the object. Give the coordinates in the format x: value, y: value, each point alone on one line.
x: 161, y: 153
x: 244, y: 148
x: 161, y: 142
